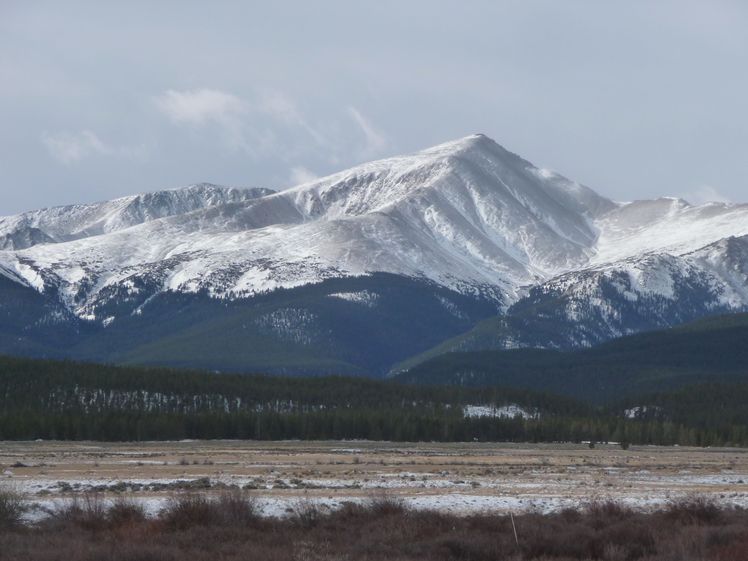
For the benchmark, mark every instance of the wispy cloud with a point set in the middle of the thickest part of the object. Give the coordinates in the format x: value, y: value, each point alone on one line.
x: 198, y: 107
x: 280, y: 106
x: 203, y: 107
x: 268, y: 124
x: 300, y: 174
x: 705, y: 194
x: 376, y: 142
x: 283, y: 109
x: 71, y: 147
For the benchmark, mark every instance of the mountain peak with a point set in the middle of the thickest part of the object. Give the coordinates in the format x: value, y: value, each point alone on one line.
x: 466, y: 214
x: 466, y: 143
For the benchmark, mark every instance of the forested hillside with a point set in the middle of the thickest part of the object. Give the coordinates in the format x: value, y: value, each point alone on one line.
x: 710, y: 350
x: 77, y: 401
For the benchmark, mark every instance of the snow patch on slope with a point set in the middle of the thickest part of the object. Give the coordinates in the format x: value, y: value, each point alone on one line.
x: 364, y: 297
x: 509, y: 411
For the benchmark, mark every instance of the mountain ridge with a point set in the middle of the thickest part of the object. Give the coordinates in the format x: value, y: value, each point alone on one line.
x: 704, y: 351
x: 561, y: 265
x: 441, y: 210
x: 71, y: 222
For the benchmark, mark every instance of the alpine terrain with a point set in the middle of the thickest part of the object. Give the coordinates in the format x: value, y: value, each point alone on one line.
x: 464, y: 246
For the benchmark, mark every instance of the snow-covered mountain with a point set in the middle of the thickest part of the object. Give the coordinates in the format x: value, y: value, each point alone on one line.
x: 467, y: 216
x: 66, y: 223
x: 641, y: 292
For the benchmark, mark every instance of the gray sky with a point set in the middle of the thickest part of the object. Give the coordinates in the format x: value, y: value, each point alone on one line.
x: 634, y: 98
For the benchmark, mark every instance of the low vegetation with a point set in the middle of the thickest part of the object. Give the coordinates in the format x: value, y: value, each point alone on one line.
x: 228, y: 527
x: 11, y: 509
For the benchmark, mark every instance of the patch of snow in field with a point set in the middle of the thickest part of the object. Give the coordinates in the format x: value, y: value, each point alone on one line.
x: 688, y: 480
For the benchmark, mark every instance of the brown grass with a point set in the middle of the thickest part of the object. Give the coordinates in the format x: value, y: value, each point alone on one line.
x: 228, y: 527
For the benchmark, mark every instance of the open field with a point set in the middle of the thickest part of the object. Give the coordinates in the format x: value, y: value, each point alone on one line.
x: 457, y: 478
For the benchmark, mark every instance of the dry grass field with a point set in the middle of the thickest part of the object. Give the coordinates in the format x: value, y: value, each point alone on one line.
x: 366, y: 501
x: 455, y: 477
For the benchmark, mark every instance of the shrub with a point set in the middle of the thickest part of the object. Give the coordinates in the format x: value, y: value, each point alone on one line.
x: 694, y: 510
x: 204, y: 528
x: 11, y: 508
x: 232, y: 508
x: 237, y: 508
x: 604, y: 511
x: 189, y: 509
x: 124, y: 512
x: 385, y: 504
x: 88, y: 512
x: 306, y: 513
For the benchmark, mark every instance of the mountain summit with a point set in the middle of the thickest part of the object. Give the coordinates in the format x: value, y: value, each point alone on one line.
x: 467, y: 216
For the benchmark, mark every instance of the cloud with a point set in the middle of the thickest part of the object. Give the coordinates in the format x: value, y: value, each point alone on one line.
x: 71, y: 147
x: 199, y: 107
x: 375, y: 141
x: 301, y: 175
x: 283, y: 109
x: 280, y: 106
x: 269, y: 125
x: 706, y: 194
x: 205, y: 107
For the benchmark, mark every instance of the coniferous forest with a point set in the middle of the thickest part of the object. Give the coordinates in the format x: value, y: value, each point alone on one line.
x: 79, y: 401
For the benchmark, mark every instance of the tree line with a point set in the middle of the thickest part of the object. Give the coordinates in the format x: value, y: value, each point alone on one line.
x: 78, y: 401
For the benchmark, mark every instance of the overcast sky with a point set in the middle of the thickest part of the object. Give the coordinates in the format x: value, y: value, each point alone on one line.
x: 636, y: 99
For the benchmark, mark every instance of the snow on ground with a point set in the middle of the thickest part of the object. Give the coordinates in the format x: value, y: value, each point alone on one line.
x: 364, y: 297
x: 511, y: 410
x: 537, y: 490
x: 640, y: 411
x: 453, y: 503
x: 453, y: 477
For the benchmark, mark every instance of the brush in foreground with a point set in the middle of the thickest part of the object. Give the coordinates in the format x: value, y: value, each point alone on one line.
x: 229, y: 527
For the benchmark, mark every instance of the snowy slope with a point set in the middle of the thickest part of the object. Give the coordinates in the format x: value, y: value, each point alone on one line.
x: 467, y: 215
x: 665, y: 226
x: 654, y: 290
x: 586, y: 307
x: 80, y: 221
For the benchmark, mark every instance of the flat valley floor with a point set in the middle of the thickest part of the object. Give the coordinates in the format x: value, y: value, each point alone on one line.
x: 451, y: 477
